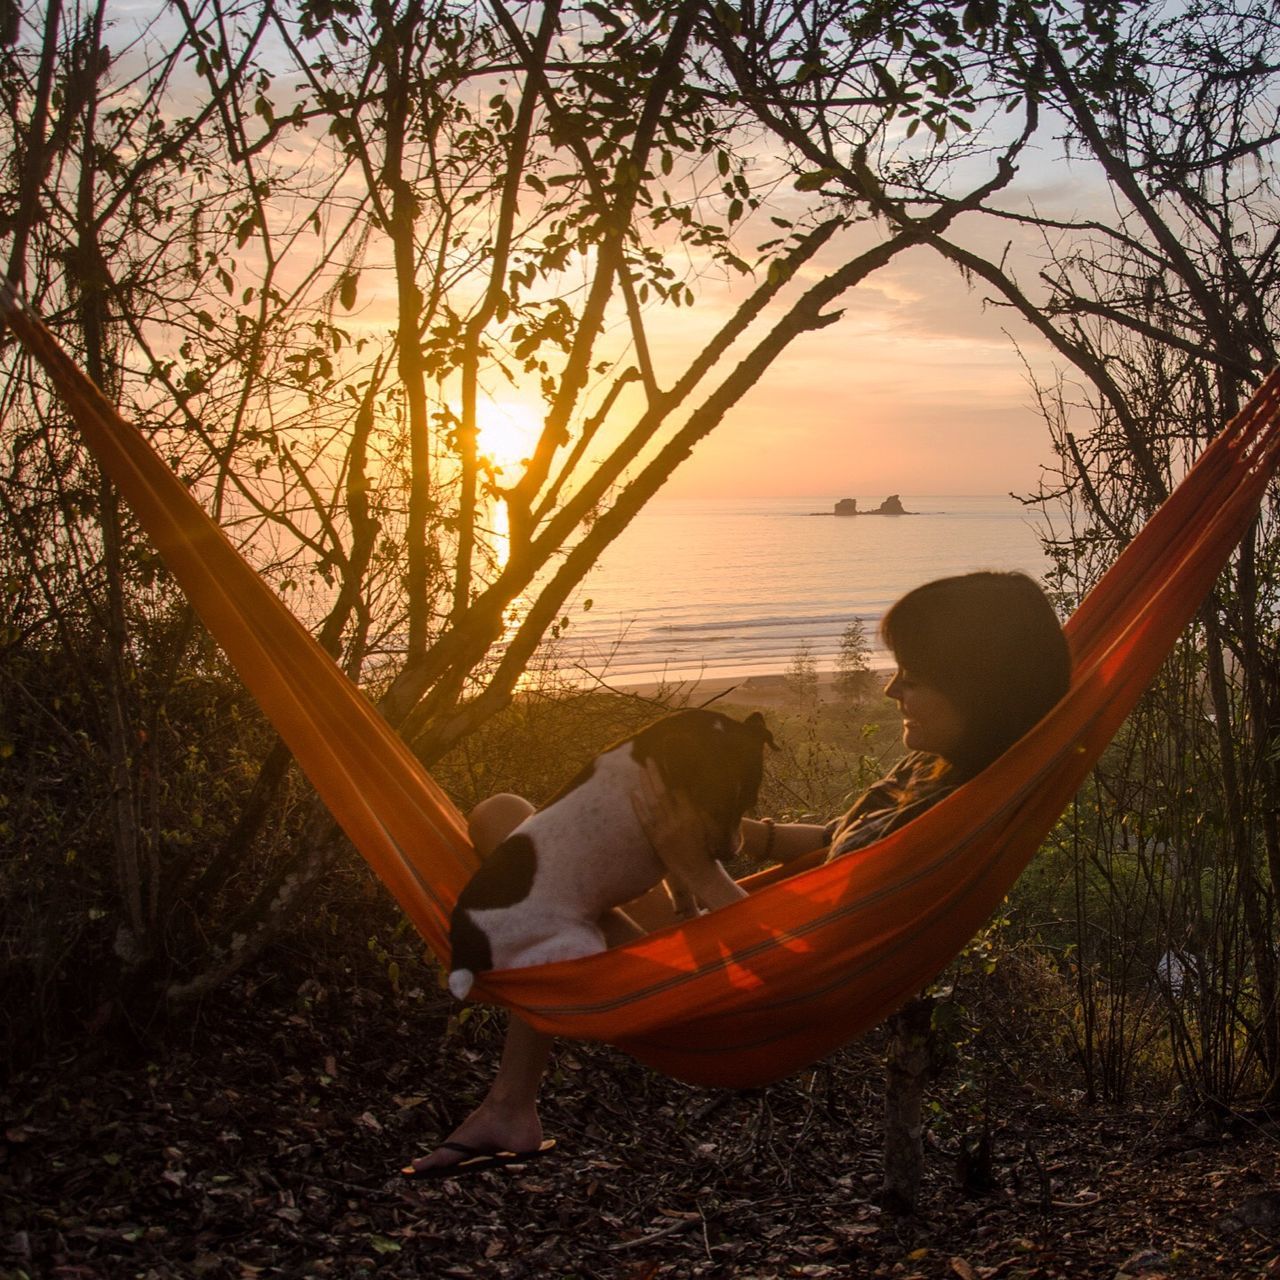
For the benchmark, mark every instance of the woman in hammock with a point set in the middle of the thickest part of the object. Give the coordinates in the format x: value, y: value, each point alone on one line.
x: 980, y: 658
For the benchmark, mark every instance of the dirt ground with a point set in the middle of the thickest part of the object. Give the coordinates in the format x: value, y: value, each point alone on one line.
x: 264, y: 1138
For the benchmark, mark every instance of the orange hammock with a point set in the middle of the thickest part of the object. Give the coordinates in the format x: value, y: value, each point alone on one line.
x: 812, y: 958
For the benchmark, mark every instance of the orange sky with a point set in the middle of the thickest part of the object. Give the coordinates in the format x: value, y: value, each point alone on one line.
x: 915, y: 390
x: 919, y: 388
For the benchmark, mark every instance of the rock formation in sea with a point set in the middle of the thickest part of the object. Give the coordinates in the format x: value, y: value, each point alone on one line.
x: 891, y: 506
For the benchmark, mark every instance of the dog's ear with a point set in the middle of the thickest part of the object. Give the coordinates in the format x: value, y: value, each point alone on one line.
x: 755, y: 722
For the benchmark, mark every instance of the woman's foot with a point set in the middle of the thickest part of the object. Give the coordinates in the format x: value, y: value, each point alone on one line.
x: 487, y: 1129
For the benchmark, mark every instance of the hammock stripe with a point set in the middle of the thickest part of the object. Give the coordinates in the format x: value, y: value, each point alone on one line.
x: 814, y: 956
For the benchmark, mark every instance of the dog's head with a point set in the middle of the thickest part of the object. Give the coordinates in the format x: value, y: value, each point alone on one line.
x: 715, y: 759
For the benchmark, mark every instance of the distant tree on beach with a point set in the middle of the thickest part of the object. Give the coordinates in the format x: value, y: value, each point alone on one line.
x: 854, y: 678
x: 802, y: 675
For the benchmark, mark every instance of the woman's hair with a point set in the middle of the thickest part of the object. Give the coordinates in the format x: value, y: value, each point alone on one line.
x: 990, y: 642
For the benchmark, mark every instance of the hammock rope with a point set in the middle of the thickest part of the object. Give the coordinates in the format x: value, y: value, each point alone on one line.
x: 814, y: 955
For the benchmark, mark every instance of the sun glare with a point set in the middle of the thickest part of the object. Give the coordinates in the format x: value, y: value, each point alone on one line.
x: 508, y: 432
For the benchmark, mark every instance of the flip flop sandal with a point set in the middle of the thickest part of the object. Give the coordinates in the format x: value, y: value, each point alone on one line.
x: 476, y: 1160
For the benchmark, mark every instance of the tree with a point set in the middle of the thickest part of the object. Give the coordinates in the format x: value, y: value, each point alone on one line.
x: 1161, y: 298
x: 1167, y: 309
x: 854, y: 676
x: 802, y: 675
x: 207, y: 214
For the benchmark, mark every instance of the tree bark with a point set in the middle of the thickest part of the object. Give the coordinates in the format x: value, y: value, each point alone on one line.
x: 906, y: 1074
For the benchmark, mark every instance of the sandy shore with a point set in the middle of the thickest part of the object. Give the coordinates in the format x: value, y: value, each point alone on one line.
x: 762, y: 691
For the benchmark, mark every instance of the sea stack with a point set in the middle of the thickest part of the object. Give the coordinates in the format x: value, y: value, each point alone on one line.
x: 891, y: 506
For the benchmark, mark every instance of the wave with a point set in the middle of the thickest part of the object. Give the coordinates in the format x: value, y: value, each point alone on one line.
x: 731, y: 625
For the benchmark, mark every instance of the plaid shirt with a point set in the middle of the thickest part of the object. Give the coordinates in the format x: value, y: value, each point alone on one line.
x: 905, y: 792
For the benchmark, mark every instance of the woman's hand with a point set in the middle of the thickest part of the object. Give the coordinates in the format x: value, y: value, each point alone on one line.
x: 684, y: 839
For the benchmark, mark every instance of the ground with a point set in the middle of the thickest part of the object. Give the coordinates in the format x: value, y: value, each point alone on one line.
x: 263, y: 1139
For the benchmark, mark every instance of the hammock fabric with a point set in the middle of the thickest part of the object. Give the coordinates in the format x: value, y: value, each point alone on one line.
x: 812, y: 957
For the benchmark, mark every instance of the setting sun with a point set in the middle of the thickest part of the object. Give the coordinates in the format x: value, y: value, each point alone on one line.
x: 508, y: 432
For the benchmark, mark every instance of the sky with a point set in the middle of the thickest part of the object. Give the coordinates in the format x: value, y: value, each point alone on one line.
x: 920, y: 387
x: 917, y: 389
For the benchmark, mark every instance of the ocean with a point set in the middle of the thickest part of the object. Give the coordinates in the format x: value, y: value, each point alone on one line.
x: 701, y: 587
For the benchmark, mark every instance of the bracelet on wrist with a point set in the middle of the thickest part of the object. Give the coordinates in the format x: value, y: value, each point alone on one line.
x: 770, y: 832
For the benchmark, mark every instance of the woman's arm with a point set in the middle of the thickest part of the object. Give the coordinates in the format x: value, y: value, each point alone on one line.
x: 789, y: 839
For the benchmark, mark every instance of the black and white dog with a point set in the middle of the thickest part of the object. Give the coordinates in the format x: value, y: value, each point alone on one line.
x: 540, y: 895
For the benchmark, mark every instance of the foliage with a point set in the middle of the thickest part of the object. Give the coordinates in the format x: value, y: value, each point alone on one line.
x: 268, y: 1140
x: 307, y: 248
x: 854, y: 679
x: 802, y: 675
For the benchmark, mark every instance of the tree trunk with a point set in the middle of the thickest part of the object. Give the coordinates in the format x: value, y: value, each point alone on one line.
x: 906, y: 1073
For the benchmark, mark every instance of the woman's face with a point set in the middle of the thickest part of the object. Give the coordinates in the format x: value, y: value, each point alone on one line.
x: 931, y: 721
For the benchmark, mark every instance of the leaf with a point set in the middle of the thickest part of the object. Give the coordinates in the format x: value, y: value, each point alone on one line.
x: 975, y: 17
x: 382, y: 1244
x: 815, y: 180
x: 347, y: 289
x: 887, y: 82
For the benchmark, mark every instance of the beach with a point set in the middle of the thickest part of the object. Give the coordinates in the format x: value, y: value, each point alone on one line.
x: 763, y: 692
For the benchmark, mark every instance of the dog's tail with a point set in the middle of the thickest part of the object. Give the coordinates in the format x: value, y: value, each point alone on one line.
x: 460, y: 982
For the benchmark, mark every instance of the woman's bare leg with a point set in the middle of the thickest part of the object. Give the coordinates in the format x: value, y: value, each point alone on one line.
x: 494, y: 819
x: 507, y: 1119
